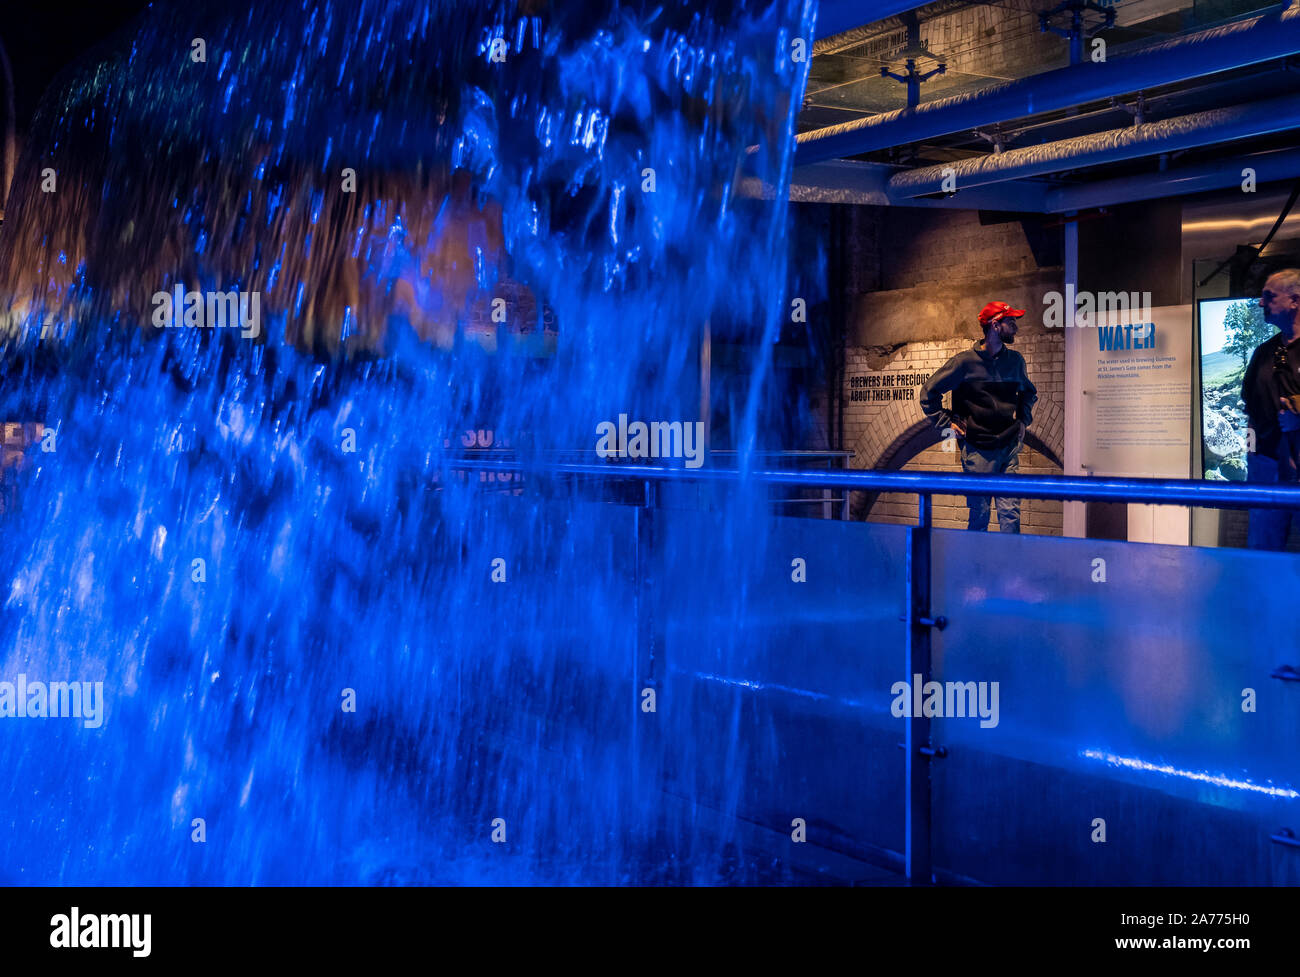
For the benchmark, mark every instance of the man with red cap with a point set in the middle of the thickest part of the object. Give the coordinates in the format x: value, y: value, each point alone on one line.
x: 992, y: 404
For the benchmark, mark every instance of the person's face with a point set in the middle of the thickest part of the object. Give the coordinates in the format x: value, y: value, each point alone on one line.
x: 1279, y: 305
x: 1006, y: 329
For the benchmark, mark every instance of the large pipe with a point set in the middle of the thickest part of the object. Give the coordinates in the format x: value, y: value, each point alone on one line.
x: 1280, y: 164
x: 845, y: 181
x: 1169, y: 135
x: 852, y: 182
x: 1264, y: 38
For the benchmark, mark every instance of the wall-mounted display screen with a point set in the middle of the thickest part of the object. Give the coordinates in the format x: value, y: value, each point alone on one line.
x: 1230, y: 331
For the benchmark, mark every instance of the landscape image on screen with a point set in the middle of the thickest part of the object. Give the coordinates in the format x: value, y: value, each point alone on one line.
x: 1230, y: 331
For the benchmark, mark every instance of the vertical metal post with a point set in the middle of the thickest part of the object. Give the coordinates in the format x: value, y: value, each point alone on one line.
x: 706, y: 380
x: 1074, y: 515
x: 645, y: 742
x: 917, y: 844
x: 640, y: 533
x: 844, y: 498
x: 913, y: 42
x: 704, y: 493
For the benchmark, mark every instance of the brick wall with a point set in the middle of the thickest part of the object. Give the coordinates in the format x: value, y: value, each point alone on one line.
x: 996, y: 41
x: 1036, y: 515
x: 920, y: 278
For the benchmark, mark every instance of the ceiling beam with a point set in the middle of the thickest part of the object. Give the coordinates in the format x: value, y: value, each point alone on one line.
x: 1208, y: 128
x: 1264, y: 38
x: 1184, y: 181
x: 851, y: 182
x: 837, y: 16
x: 858, y: 183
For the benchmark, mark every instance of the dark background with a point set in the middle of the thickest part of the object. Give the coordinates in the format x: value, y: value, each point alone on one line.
x: 43, y: 37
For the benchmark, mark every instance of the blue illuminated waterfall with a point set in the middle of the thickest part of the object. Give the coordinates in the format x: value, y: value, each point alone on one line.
x: 324, y: 654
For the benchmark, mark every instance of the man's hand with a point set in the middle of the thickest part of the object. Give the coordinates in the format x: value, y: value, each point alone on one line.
x: 958, y: 426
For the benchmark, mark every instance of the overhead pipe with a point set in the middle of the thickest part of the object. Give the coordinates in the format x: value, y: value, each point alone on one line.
x: 854, y: 182
x: 1169, y: 135
x: 1281, y: 164
x: 851, y: 182
x: 1264, y: 38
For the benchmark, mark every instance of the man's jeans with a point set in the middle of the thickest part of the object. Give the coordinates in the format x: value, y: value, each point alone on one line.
x: 1268, y: 527
x: 987, y: 461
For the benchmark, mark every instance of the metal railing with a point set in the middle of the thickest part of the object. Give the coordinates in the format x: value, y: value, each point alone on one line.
x: 834, y: 504
x: 919, y: 749
x: 1150, y: 491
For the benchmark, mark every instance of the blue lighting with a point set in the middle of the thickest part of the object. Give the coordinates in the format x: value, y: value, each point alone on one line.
x: 1204, y: 777
x: 257, y: 545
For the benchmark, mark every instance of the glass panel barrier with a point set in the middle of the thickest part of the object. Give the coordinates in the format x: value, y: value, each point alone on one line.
x: 1134, y: 702
x: 774, y: 675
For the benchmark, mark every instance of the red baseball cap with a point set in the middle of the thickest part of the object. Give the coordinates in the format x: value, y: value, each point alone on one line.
x: 996, y: 310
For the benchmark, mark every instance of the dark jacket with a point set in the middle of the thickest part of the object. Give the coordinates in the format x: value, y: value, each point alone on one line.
x: 1259, y: 393
x: 991, y: 396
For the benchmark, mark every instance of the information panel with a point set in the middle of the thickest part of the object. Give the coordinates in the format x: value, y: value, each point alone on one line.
x: 1137, y: 395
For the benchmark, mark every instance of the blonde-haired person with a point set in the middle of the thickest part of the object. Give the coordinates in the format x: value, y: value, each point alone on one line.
x: 1270, y: 390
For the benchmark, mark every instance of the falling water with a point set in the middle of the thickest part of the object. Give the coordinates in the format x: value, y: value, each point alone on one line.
x: 446, y: 211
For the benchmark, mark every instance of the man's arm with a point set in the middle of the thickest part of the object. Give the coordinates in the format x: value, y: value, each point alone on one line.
x: 946, y: 378
x: 1028, y: 396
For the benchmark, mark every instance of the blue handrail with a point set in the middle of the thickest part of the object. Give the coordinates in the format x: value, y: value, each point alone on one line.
x: 1155, y: 491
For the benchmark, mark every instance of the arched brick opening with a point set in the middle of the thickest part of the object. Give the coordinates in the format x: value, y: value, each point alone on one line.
x: 921, y: 435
